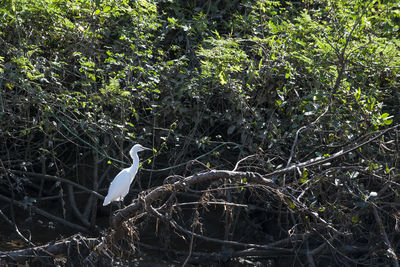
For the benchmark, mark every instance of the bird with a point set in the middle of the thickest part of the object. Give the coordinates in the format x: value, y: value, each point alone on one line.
x: 119, y: 187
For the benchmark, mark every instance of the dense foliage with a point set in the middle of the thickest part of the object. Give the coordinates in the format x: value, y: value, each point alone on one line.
x: 81, y: 81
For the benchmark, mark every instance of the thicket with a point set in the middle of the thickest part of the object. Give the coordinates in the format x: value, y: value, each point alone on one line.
x: 303, y: 93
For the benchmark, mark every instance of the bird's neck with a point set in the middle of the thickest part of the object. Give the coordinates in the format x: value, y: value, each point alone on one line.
x: 135, y: 159
x: 135, y: 165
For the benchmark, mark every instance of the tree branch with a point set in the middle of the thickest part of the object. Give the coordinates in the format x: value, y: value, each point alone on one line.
x: 46, y: 214
x: 59, y: 179
x: 321, y: 160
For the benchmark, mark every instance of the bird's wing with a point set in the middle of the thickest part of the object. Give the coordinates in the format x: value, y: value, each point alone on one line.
x: 118, y: 187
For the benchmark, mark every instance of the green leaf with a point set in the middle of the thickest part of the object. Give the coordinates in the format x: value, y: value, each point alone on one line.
x: 358, y: 94
x: 222, y: 77
x: 384, y: 115
x: 387, y: 120
x: 125, y: 93
x: 171, y: 20
x: 387, y: 170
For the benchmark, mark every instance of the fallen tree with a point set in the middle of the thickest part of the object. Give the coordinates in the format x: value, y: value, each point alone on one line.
x: 332, y: 213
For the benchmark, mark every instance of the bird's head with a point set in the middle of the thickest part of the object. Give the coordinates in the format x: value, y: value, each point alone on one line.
x: 137, y: 148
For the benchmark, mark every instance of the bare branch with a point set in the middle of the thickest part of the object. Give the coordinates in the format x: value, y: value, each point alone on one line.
x: 46, y: 214
x: 52, y: 249
x: 59, y: 179
x: 390, y: 251
x: 16, y: 229
x: 321, y: 160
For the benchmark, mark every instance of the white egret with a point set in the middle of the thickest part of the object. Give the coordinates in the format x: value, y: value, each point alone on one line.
x: 119, y: 187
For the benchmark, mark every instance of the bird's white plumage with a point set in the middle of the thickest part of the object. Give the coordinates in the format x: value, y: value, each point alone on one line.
x: 119, y: 187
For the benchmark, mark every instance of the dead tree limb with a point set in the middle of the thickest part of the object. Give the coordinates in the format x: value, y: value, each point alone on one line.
x: 49, y: 250
x: 179, y: 185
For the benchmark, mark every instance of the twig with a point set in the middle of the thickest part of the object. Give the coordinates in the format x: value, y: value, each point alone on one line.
x: 310, y: 258
x: 228, y: 242
x: 304, y: 128
x: 321, y: 160
x: 313, y: 214
x: 74, y: 207
x: 12, y: 202
x: 191, y: 163
x: 56, y: 248
x: 243, y: 159
x: 174, y: 224
x: 47, y: 215
x: 16, y: 229
x: 59, y: 179
x: 190, y: 251
x: 197, y: 158
x: 129, y: 211
x: 213, y: 203
x: 92, y: 203
x: 218, y: 257
x: 389, y: 247
x: 342, y: 55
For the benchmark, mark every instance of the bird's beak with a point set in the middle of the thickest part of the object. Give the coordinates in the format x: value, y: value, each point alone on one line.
x: 146, y: 148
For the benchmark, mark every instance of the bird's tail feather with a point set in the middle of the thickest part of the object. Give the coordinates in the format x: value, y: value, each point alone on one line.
x: 106, y: 201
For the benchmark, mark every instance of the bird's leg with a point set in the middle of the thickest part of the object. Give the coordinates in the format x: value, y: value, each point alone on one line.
x: 110, y: 214
x: 121, y: 204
